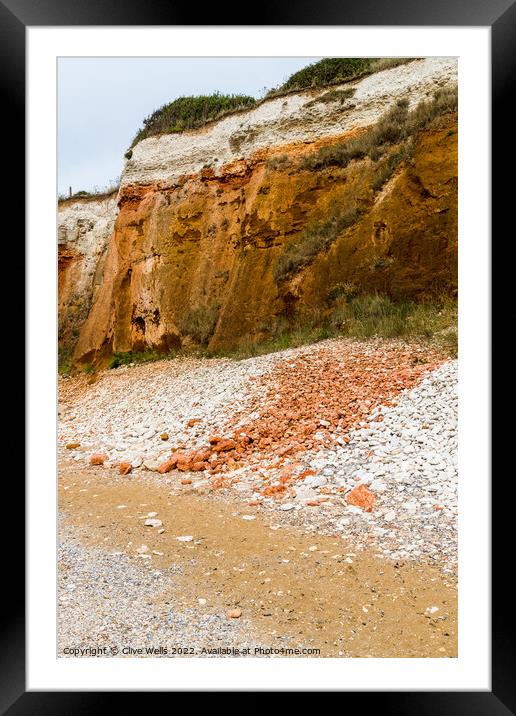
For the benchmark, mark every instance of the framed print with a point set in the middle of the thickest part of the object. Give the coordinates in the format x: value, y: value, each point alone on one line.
x: 258, y: 289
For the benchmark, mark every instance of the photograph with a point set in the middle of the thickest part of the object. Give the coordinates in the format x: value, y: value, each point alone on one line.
x: 257, y: 440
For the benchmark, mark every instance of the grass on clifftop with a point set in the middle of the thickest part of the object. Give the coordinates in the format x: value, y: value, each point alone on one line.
x: 335, y: 70
x: 97, y: 192
x: 196, y: 111
x: 191, y: 112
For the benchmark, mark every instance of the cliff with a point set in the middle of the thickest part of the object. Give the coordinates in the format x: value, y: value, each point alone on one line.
x: 85, y: 227
x: 206, y: 217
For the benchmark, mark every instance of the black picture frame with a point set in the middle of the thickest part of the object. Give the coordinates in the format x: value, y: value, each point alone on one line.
x: 500, y: 15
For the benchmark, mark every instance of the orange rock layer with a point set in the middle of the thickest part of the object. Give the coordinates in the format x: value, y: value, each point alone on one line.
x: 210, y: 242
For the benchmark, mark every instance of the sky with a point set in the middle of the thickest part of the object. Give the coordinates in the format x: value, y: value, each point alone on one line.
x: 102, y: 103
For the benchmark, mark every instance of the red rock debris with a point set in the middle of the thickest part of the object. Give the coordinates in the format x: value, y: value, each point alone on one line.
x: 98, y: 459
x: 361, y: 496
x: 310, y: 401
x: 321, y: 395
x: 234, y: 613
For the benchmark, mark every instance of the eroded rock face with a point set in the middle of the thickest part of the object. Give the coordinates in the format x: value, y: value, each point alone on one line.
x: 85, y: 226
x: 195, y: 240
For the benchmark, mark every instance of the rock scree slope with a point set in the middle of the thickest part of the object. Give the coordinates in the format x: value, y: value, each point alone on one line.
x: 341, y: 435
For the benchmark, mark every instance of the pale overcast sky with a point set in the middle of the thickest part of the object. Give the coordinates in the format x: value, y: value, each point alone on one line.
x: 102, y: 103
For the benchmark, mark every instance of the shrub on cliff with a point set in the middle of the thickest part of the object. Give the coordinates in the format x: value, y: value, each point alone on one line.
x: 346, y: 291
x: 191, y: 112
x: 335, y: 70
x: 98, y: 192
x: 330, y: 70
x: 317, y: 236
x: 334, y: 95
x: 389, y: 129
x: 199, y: 323
x: 396, y: 125
x: 375, y: 314
x: 390, y: 142
x: 386, y: 167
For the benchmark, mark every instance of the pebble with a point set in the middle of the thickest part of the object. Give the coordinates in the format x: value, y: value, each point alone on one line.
x: 153, y: 523
x: 234, y: 613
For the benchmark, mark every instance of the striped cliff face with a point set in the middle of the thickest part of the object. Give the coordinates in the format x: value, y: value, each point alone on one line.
x: 84, y: 229
x: 299, y: 118
x: 204, y: 216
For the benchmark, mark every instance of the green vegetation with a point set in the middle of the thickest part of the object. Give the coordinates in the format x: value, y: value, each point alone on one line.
x: 396, y: 126
x: 353, y: 315
x: 333, y: 96
x: 96, y: 193
x: 191, y: 112
x: 277, y: 162
x: 377, y: 315
x: 297, y: 335
x: 64, y: 360
x: 130, y: 357
x: 317, y: 236
x: 330, y: 70
x: 386, y: 167
x: 199, y: 323
x: 370, y: 316
x: 346, y: 290
x: 335, y: 70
